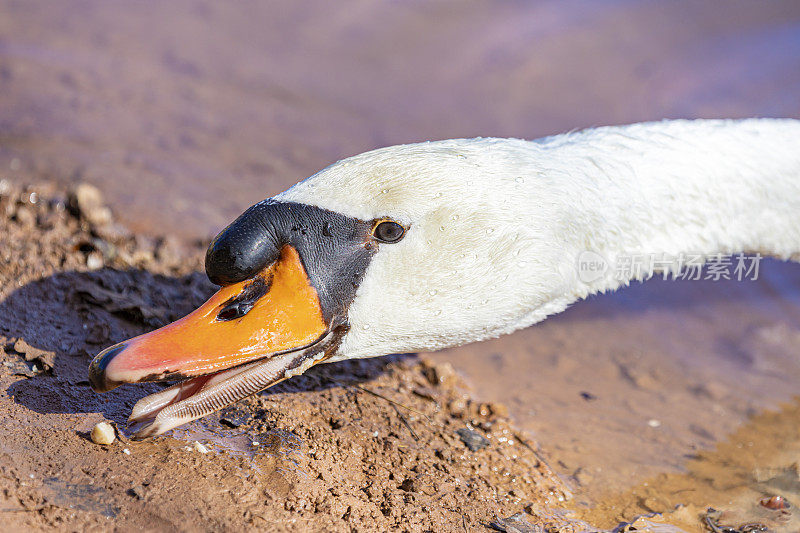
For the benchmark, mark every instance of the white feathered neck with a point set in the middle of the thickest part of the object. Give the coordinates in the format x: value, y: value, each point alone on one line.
x: 497, y: 225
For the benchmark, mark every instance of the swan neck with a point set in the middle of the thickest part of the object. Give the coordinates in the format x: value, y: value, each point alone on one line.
x: 663, y: 192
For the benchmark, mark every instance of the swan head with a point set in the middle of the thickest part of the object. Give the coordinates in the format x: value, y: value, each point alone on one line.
x: 402, y: 249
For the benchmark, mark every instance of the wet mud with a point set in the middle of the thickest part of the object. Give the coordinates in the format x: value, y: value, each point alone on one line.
x: 751, y: 481
x: 184, y: 113
x: 390, y: 443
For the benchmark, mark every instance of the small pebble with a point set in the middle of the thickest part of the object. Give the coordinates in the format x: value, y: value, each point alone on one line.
x: 653, y: 423
x: 103, y: 433
x: 234, y: 416
x: 457, y: 407
x: 25, y: 217
x: 126, y: 451
x: 94, y: 261
x: 137, y: 491
x: 775, y: 503
x: 472, y: 439
x: 200, y: 448
x: 87, y: 201
x: 439, y: 374
x: 498, y: 410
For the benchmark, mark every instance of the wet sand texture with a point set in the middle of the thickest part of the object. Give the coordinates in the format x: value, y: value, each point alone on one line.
x: 184, y: 113
x: 388, y: 443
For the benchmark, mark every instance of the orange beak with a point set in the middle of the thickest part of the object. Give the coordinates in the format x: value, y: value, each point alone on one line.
x: 276, y: 311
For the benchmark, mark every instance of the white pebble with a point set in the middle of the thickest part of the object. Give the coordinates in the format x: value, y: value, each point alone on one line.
x: 200, y: 448
x: 126, y: 451
x: 103, y: 433
x: 653, y: 423
x: 94, y: 261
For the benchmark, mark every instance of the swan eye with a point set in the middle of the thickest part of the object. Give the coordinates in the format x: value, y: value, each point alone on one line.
x: 389, y: 231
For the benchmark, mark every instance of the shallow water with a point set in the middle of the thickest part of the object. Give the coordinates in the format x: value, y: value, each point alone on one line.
x: 757, y: 462
x: 185, y: 113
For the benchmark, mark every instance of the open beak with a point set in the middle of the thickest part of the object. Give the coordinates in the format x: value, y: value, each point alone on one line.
x: 246, y: 337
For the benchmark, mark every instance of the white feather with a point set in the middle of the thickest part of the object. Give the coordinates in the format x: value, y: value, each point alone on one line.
x: 496, y: 225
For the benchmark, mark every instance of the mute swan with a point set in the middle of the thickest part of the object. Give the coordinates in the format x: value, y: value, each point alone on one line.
x: 430, y: 245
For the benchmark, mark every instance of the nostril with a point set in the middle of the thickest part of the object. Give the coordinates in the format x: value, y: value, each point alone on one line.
x: 241, y: 304
x: 97, y: 368
x: 234, y: 311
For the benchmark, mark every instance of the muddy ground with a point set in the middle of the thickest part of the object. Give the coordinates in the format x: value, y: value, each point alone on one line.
x: 184, y: 113
x: 396, y: 443
x: 392, y: 443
